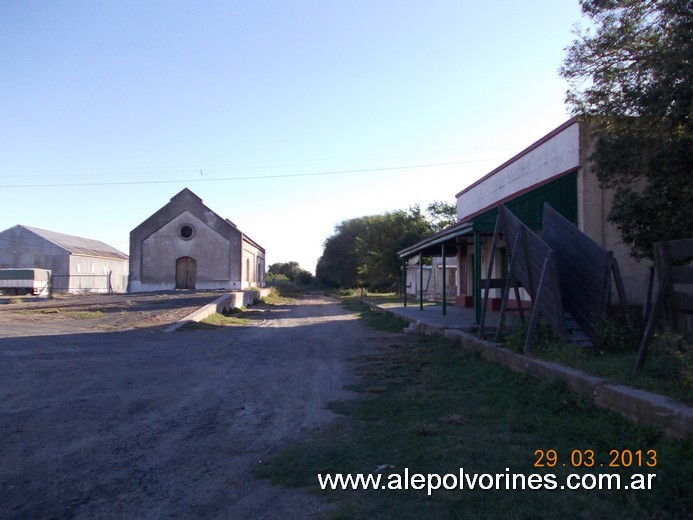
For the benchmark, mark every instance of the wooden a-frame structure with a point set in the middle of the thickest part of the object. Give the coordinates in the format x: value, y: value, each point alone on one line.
x: 674, y: 274
x: 585, y: 273
x: 532, y: 266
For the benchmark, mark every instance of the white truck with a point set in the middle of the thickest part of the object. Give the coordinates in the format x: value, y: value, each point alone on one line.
x: 18, y: 281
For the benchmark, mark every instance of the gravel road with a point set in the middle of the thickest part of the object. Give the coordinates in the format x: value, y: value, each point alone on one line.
x: 138, y: 423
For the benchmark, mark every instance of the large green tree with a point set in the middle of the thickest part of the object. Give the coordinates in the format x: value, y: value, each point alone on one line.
x: 339, y: 264
x: 363, y: 251
x: 630, y: 78
x: 384, y: 235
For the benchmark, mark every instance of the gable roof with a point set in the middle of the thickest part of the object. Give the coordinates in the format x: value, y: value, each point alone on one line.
x: 78, y: 245
x: 186, y: 200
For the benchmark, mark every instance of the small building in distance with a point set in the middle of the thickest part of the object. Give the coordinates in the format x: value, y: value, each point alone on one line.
x: 77, y: 264
x: 186, y: 245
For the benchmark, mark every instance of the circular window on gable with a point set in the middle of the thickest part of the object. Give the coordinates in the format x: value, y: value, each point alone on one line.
x: 186, y: 231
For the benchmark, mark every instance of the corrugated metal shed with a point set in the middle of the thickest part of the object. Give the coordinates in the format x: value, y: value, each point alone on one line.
x: 78, y: 245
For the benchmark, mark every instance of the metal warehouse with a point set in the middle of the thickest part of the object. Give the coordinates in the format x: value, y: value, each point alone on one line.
x: 77, y: 264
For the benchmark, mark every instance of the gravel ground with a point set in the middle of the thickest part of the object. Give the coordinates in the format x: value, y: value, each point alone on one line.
x: 109, y: 417
x: 68, y: 314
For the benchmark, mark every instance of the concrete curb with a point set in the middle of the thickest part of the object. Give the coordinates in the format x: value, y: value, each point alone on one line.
x: 673, y: 417
x: 233, y: 300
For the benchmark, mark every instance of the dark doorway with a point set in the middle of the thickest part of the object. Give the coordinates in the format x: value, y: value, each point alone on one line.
x: 185, y: 272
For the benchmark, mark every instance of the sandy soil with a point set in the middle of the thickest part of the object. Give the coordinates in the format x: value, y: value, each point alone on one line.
x: 137, y: 423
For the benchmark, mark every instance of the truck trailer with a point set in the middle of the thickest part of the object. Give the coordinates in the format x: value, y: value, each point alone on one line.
x: 20, y: 281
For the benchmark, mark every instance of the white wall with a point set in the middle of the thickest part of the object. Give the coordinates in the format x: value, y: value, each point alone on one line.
x: 557, y: 155
x: 91, y: 274
x: 252, y: 265
x: 560, y: 152
x: 210, y: 250
x: 433, y: 279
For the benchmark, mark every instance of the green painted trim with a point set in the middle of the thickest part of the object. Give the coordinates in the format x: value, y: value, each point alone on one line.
x: 561, y: 194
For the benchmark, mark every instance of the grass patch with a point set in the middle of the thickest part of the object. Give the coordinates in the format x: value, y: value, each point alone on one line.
x: 15, y: 299
x: 226, y: 319
x: 234, y: 317
x: 280, y: 296
x: 83, y: 315
x: 431, y: 407
x: 384, y: 298
x: 382, y: 321
x: 668, y: 369
x: 358, y: 294
x: 386, y: 321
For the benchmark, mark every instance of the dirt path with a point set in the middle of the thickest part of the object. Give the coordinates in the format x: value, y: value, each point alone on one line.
x: 143, y: 424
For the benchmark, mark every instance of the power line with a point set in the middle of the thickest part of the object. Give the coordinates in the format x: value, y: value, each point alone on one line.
x: 223, y: 179
x: 93, y: 171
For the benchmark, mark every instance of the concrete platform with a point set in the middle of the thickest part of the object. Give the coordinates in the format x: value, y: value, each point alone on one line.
x: 457, y: 318
x: 232, y: 300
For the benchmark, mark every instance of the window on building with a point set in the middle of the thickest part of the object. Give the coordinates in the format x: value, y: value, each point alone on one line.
x: 186, y: 231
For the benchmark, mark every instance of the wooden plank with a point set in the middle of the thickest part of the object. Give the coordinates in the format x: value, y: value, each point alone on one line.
x: 682, y: 274
x: 494, y: 283
x: 533, y: 265
x: 584, y: 270
x: 666, y: 254
x: 679, y: 249
x: 683, y: 301
x: 487, y: 283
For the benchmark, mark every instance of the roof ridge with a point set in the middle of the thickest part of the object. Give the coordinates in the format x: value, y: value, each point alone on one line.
x: 71, y: 243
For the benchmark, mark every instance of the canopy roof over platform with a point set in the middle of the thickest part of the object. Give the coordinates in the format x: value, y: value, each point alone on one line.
x: 431, y: 246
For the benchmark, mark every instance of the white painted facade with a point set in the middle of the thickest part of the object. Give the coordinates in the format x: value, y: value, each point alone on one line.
x: 209, y: 248
x: 97, y: 274
x: 253, y: 261
x: 186, y: 245
x: 564, y: 150
x: 433, y: 279
x: 557, y: 155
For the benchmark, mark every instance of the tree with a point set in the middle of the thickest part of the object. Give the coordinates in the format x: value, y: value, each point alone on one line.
x: 362, y: 252
x: 289, y: 271
x: 630, y: 78
x: 441, y: 214
x: 380, y: 267
x: 339, y: 265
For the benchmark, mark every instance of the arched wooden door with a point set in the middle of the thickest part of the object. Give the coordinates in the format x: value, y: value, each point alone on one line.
x: 186, y: 269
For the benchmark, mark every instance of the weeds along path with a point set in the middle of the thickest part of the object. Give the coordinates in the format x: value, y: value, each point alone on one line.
x: 142, y: 424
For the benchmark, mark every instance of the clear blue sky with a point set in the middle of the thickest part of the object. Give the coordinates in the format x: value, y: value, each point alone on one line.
x: 123, y: 104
